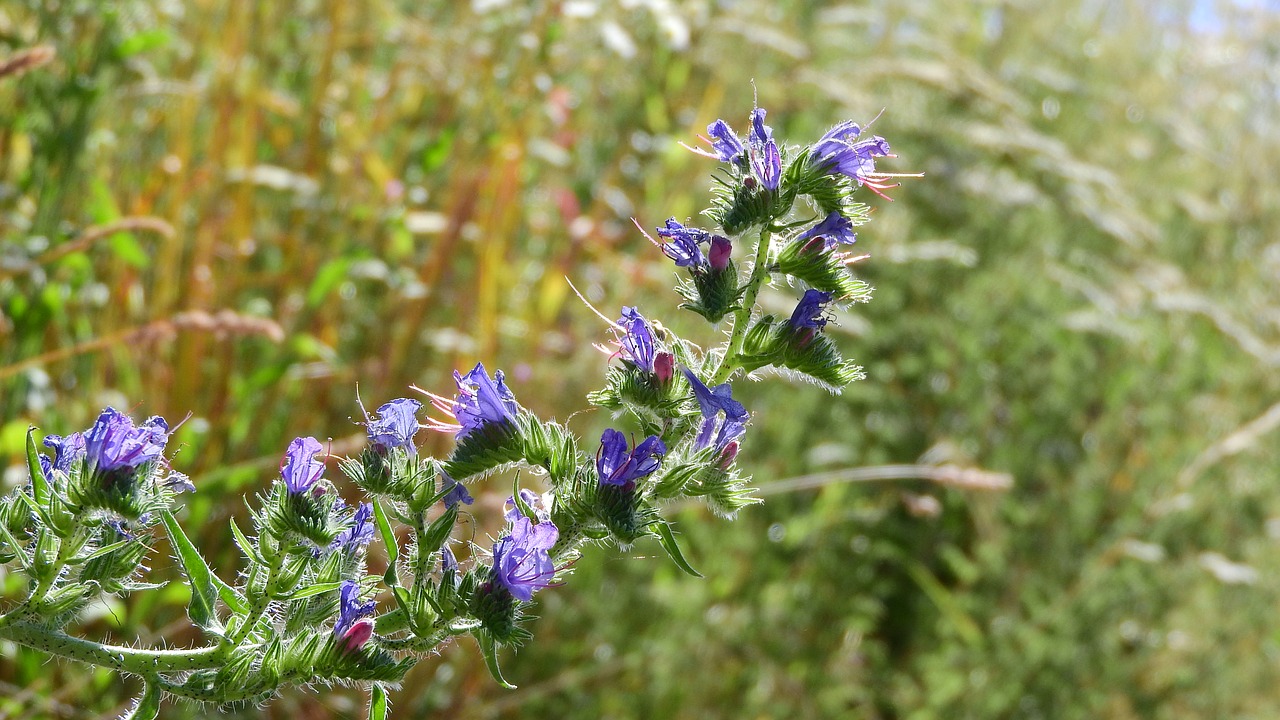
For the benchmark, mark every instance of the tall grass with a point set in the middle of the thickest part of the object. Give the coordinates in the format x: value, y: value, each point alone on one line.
x: 242, y: 210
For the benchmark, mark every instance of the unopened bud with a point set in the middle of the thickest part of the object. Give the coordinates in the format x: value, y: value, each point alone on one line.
x: 728, y: 455
x: 358, y: 635
x: 664, y: 366
x: 721, y: 249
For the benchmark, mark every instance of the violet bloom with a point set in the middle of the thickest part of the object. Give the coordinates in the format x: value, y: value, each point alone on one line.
x: 66, y: 450
x: 809, y: 312
x: 360, y: 534
x: 725, y: 142
x: 837, y: 138
x: 179, y: 482
x: 683, y: 246
x: 448, y: 563
x: 521, y: 562
x: 855, y: 160
x: 766, y: 161
x: 616, y: 466
x: 760, y: 133
x: 482, y: 401
x: 834, y: 229
x: 636, y: 339
x: 535, y: 503
x: 353, y: 628
x: 299, y: 469
x: 396, y: 424
x: 716, y: 432
x: 457, y: 491
x: 114, y: 442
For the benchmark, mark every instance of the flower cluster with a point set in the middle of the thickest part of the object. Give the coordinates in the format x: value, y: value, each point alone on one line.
x: 303, y: 607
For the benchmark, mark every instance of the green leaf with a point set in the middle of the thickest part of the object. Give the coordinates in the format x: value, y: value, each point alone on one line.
x: 521, y: 505
x: 147, y: 706
x: 315, y: 589
x: 39, y: 485
x: 142, y: 42
x: 250, y: 550
x: 203, y: 591
x: 103, y: 210
x: 403, y: 602
x: 489, y: 649
x: 388, y: 539
x: 230, y: 596
x: 438, y: 531
x: 377, y: 702
x: 327, y: 279
x: 104, y: 550
x: 16, y: 547
x: 668, y: 541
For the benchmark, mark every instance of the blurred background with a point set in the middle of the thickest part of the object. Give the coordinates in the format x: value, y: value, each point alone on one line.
x: 242, y: 210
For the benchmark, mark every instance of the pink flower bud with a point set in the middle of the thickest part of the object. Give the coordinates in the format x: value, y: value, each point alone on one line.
x: 721, y: 249
x: 728, y: 455
x: 664, y: 366
x: 358, y: 635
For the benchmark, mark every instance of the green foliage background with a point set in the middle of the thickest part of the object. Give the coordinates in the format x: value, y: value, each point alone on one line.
x: 1081, y: 293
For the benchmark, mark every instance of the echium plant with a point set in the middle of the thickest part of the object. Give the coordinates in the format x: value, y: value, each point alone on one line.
x: 304, y: 609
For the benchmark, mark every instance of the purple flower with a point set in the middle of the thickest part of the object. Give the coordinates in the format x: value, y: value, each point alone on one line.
x: 617, y: 466
x: 179, y: 482
x: 760, y: 133
x: 299, y: 468
x: 351, y: 629
x: 837, y: 138
x: 683, y: 246
x: 808, y: 313
x: 114, y: 442
x: 834, y: 229
x: 457, y: 491
x: 46, y: 468
x: 720, y: 253
x: 535, y: 503
x: 448, y: 563
x: 766, y: 161
x: 856, y: 160
x: 396, y: 424
x: 360, y: 534
x: 66, y: 450
x: 636, y: 339
x: 521, y: 562
x: 713, y: 402
x: 725, y: 142
x: 481, y: 401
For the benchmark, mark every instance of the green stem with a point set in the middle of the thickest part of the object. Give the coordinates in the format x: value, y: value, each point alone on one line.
x: 259, y: 607
x: 224, y: 695
x: 31, y: 605
x: 742, y: 316
x: 139, y: 661
x: 413, y: 643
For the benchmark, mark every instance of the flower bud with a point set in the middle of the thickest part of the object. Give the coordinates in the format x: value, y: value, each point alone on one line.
x: 728, y: 455
x: 359, y: 634
x: 720, y: 252
x: 664, y: 367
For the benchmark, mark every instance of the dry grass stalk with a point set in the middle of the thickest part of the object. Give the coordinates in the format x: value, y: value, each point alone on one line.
x: 222, y: 324
x: 25, y: 60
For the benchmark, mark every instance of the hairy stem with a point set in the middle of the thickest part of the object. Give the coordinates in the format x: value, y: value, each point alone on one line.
x: 138, y: 661
x: 742, y: 316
